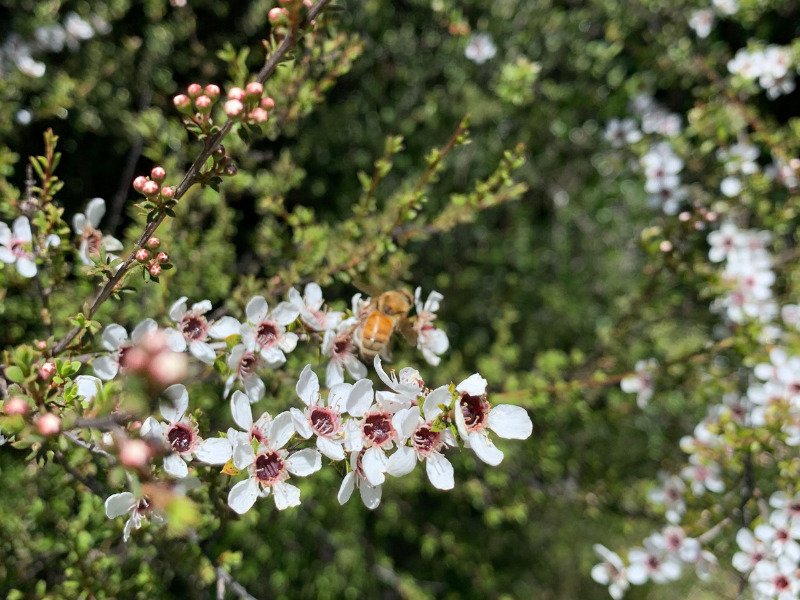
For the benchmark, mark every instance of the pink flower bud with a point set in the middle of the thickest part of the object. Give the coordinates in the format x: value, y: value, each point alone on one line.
x: 169, y: 367
x: 158, y: 174
x: 134, y: 453
x: 142, y: 255
x: 307, y: 3
x: 138, y: 183
x: 41, y: 344
x: 16, y: 406
x: 233, y: 108
x: 219, y: 151
x: 150, y: 188
x: 236, y: 93
x: 47, y: 370
x: 153, y: 242
x: 204, y: 104
x: 135, y: 359
x: 155, y: 270
x: 276, y: 15
x: 194, y: 90
x: 154, y: 342
x: 254, y: 89
x: 182, y: 103
x: 259, y: 115
x: 267, y: 103
x: 665, y: 246
x: 231, y: 170
x: 212, y: 91
x: 163, y: 257
x: 48, y: 424
x: 168, y: 192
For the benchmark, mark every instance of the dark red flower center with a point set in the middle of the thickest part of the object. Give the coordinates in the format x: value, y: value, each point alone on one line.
x: 193, y: 327
x: 378, y: 429
x: 93, y: 240
x: 341, y: 347
x: 424, y: 439
x: 474, y: 409
x: 324, y: 421
x: 267, y: 334
x: 269, y: 467
x: 247, y: 365
x: 180, y: 437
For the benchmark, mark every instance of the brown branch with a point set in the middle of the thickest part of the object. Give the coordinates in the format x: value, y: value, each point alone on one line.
x: 226, y: 579
x: 191, y: 177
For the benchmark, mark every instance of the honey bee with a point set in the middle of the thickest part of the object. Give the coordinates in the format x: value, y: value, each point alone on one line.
x: 380, y: 318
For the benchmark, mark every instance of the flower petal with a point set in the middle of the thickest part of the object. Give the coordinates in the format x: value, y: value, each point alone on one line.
x: 178, y: 309
x: 280, y: 431
x: 203, y: 352
x: 346, y: 489
x: 243, y: 455
x: 257, y: 310
x: 254, y: 388
x: 119, y: 504
x: 331, y: 449
x: 241, y: 411
x: 510, y: 422
x: 26, y: 267
x: 114, y: 336
x: 304, y: 462
x: 175, y: 466
x: 430, y: 407
x: 370, y: 495
x: 402, y: 462
x: 308, y: 386
x: 214, y: 451
x: 95, y: 211
x: 286, y: 495
x: 485, y: 449
x: 105, y: 367
x: 243, y: 495
x: 178, y: 398
x: 22, y: 229
x: 440, y: 471
x: 224, y: 327
x: 150, y: 428
x: 360, y: 398
x: 374, y: 465
x: 88, y: 386
x: 301, y: 425
x: 285, y: 313
x: 474, y: 385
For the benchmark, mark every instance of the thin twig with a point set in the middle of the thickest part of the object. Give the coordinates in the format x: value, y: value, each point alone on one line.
x: 73, y: 437
x: 191, y: 177
x: 226, y: 579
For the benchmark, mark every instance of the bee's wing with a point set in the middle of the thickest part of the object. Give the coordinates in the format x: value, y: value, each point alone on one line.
x: 406, y: 328
x: 369, y: 290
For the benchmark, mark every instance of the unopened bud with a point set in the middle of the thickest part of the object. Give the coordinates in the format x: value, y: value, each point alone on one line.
x: 150, y: 188
x: 254, y: 89
x: 154, y: 342
x: 665, y: 246
x: 182, y: 103
x: 15, y: 406
x: 231, y: 170
x: 212, y: 91
x: 47, y: 370
x: 194, y: 90
x: 267, y: 103
x: 233, y: 108
x: 259, y: 115
x: 48, y: 424
x: 142, y: 255
x: 163, y: 257
x: 219, y: 151
x: 236, y: 93
x: 168, y: 192
x: 153, y: 242
x: 138, y: 183
x: 158, y: 174
x: 41, y: 344
x: 204, y: 104
x: 135, y: 359
x: 155, y: 270
x: 684, y: 216
x: 169, y: 367
x: 276, y: 15
x: 134, y: 453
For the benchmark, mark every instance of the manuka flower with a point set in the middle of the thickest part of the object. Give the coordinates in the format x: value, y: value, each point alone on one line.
x: 138, y: 508
x: 340, y: 346
x: 92, y: 240
x: 311, y: 311
x: 116, y: 341
x: 243, y: 361
x: 267, y: 330
x: 16, y: 246
x: 370, y: 494
x: 195, y: 329
x: 431, y: 340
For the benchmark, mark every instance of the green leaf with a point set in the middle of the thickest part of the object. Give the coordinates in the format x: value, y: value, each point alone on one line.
x: 14, y: 373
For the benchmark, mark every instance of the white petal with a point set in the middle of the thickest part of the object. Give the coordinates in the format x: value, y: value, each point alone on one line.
x: 308, y: 386
x: 214, y: 451
x: 243, y: 455
x: 355, y: 367
x: 637, y: 573
x: 113, y: 336
x: 334, y: 374
x: 175, y: 340
x: 405, y: 422
x: 440, y: 471
x: 304, y: 462
x: 392, y: 402
x: 119, y: 504
x: 241, y: 411
x: 5, y: 235
x: 361, y: 398
x: 88, y: 386
x: 254, y: 388
x: 150, y: 428
x: 175, y: 466
x: 111, y: 244
x: 301, y: 425
x: 257, y: 310
x: 22, y: 229
x: 374, y: 464
x: 285, y: 313
x: 402, y: 462
x: 202, y: 307
x: 224, y: 327
x: 353, y: 442
x: 313, y: 295
x: 26, y: 267
x: 510, y: 422
x: 288, y: 341
x: 286, y: 495
x: 346, y: 489
x: 6, y: 255
x: 281, y: 430
x: 178, y: 399
x: 178, y: 309
x: 331, y: 449
x: 203, y: 352
x: 243, y: 495
x: 485, y: 449
x: 370, y: 495
x: 430, y: 407
x: 105, y: 367
x: 273, y: 356
x: 143, y: 328
x: 474, y: 385
x: 338, y: 395
x: 95, y: 211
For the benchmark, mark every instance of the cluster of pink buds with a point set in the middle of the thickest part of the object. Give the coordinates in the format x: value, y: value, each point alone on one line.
x: 197, y: 101
x: 247, y: 104
x: 153, y: 260
x: 282, y: 17
x: 151, y: 187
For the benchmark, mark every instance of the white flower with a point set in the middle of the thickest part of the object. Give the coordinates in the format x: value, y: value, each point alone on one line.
x: 610, y: 572
x: 370, y: 494
x: 702, y: 476
x: 16, y: 246
x: 310, y: 308
x: 340, y: 346
x: 776, y: 579
x: 473, y: 415
x: 702, y: 21
x: 670, y: 494
x: 195, y: 329
x: 752, y: 551
x: 652, y: 562
x: 780, y: 535
x: 116, y: 341
x: 269, y: 466
x: 244, y: 361
x: 642, y: 383
x: 406, y: 389
x: 480, y: 48
x: 620, y: 132
x: 92, y: 240
x: 326, y: 420
x: 180, y: 434
x: 268, y: 330
x: 426, y: 442
x: 138, y: 508
x: 431, y: 340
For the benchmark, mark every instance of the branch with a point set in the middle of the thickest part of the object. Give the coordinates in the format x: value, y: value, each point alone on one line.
x: 224, y: 578
x: 189, y: 179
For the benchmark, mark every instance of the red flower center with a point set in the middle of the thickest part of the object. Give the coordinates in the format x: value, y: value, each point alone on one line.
x: 267, y: 334
x: 474, y: 409
x: 425, y: 440
x: 269, y: 467
x: 194, y: 327
x: 325, y: 421
x: 180, y: 438
x: 378, y: 429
